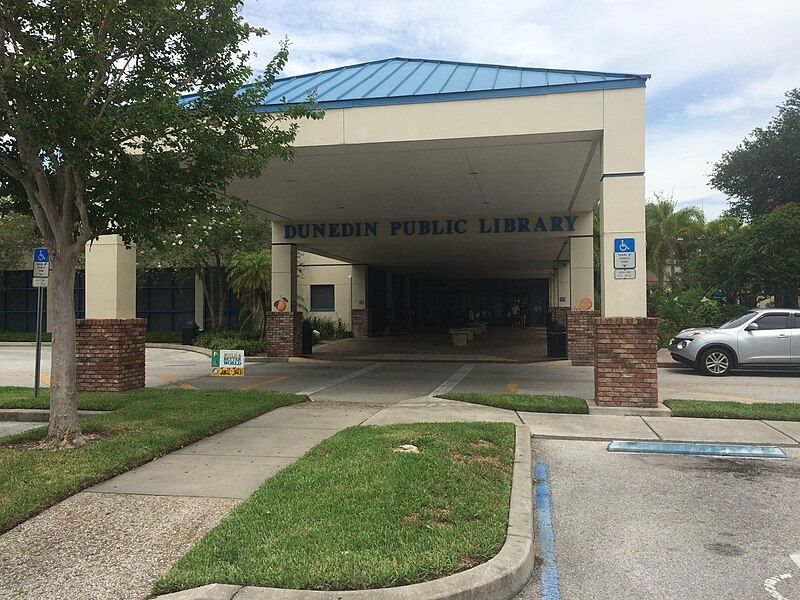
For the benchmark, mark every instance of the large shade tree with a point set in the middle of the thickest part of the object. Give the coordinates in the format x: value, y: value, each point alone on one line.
x: 94, y: 139
x: 763, y: 172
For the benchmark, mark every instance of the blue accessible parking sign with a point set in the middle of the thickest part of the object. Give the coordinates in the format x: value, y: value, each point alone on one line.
x: 624, y: 245
x: 41, y: 255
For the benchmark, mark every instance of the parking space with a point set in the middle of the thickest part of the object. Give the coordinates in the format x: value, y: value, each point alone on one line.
x: 657, y: 526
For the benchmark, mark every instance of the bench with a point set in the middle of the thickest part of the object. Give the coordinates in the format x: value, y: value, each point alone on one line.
x: 460, y: 336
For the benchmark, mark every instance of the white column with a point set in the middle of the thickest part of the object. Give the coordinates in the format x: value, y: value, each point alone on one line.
x: 563, y: 285
x: 581, y: 272
x: 358, y: 282
x: 284, y: 275
x: 622, y: 200
x: 110, y: 279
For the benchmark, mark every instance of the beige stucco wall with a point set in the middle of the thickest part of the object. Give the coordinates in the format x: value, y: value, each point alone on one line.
x: 320, y: 270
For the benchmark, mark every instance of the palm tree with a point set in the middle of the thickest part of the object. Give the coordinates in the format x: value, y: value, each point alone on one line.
x: 672, y: 235
x: 250, y: 277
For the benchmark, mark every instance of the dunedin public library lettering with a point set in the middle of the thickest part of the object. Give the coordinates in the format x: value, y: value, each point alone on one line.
x: 565, y: 223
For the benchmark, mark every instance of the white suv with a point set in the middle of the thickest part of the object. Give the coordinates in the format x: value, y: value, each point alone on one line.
x: 761, y: 337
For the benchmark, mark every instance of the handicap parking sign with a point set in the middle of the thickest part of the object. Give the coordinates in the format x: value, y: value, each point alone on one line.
x: 624, y: 245
x: 41, y: 255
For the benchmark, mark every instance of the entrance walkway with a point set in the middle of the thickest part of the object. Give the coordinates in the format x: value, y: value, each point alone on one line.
x: 497, y: 344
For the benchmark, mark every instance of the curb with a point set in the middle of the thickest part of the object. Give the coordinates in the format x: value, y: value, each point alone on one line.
x: 499, y: 578
x: 170, y: 346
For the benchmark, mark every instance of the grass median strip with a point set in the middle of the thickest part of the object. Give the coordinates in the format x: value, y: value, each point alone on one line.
x: 353, y: 513
x: 144, y: 424
x: 524, y: 402
x: 712, y: 409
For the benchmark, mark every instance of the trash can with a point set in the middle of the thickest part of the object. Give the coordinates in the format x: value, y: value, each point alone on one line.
x: 308, y: 337
x: 556, y: 339
x: 188, y: 333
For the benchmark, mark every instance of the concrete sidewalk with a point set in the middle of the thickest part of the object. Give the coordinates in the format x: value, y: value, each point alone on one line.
x: 596, y: 427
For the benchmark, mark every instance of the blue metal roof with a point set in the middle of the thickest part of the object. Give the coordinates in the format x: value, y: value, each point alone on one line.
x: 414, y: 80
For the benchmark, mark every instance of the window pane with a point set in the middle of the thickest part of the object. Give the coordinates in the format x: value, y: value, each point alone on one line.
x: 322, y: 297
x: 768, y: 322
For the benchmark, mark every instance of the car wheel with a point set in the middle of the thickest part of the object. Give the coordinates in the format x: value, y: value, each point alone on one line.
x: 716, y: 362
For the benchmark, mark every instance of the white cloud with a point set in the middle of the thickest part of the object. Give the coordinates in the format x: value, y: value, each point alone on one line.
x: 763, y: 93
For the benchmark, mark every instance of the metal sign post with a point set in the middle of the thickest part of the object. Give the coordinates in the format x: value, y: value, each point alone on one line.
x: 41, y: 271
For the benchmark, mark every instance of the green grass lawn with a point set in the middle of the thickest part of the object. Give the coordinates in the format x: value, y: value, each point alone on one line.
x: 524, y: 402
x: 144, y: 424
x: 712, y: 409
x: 353, y: 514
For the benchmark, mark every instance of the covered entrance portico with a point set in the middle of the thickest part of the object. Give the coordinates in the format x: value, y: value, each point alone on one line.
x: 446, y: 181
x: 456, y: 192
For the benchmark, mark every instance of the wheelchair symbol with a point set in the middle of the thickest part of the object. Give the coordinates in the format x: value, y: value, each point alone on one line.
x: 623, y: 247
x: 41, y: 255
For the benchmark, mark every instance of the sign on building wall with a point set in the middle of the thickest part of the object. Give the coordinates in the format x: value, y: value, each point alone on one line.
x: 228, y: 363
x: 624, y: 258
x: 393, y: 229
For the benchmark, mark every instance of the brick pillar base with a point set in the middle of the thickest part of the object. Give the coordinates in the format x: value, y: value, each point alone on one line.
x: 625, y: 364
x: 284, y: 333
x: 110, y: 354
x: 580, y: 336
x: 559, y: 313
x: 359, y: 322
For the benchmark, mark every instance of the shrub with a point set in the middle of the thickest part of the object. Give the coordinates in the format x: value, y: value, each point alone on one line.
x: 677, y: 310
x: 231, y: 340
x: 328, y: 328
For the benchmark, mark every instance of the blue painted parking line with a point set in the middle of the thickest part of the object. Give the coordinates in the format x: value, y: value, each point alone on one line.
x: 544, y: 524
x: 688, y: 448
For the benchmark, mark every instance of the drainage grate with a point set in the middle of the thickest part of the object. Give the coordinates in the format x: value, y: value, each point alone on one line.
x: 688, y: 448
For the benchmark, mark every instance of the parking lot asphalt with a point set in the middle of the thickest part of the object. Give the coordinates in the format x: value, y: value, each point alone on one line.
x: 660, y: 526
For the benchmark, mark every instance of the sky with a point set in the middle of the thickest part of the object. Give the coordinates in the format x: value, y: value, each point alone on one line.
x: 719, y: 67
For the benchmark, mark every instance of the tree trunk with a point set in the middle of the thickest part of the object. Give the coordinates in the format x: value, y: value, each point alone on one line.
x: 64, y: 428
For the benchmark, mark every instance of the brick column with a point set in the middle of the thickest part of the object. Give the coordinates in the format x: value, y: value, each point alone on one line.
x: 359, y: 322
x: 625, y: 364
x: 559, y: 313
x: 110, y: 354
x: 284, y: 333
x: 580, y: 336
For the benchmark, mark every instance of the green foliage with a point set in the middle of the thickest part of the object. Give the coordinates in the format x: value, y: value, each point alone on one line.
x: 164, y: 337
x: 18, y: 236
x: 681, y: 309
x: 92, y: 112
x: 672, y: 235
x: 22, y: 336
x: 231, y: 340
x: 250, y: 277
x: 328, y: 328
x: 206, y: 242
x: 759, y: 259
x: 144, y: 424
x: 763, y: 172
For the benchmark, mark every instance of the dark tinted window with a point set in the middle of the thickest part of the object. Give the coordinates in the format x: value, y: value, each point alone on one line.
x: 797, y: 320
x: 774, y: 321
x: 321, y: 297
